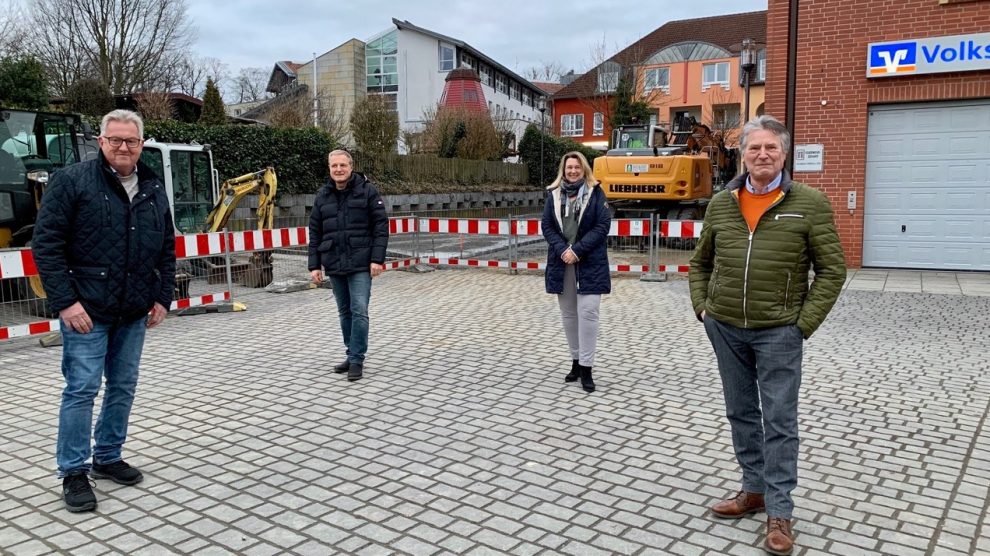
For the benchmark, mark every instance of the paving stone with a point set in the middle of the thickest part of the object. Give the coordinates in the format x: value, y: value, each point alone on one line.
x: 433, y: 453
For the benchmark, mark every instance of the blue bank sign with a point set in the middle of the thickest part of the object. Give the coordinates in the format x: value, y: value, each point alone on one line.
x: 931, y: 55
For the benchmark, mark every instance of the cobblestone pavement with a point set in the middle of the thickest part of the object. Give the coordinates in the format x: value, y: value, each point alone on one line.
x: 464, y: 439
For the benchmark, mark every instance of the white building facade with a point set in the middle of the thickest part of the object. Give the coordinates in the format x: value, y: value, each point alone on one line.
x: 409, y: 64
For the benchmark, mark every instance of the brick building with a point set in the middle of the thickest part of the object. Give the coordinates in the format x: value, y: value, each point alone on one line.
x: 687, y: 67
x: 902, y: 127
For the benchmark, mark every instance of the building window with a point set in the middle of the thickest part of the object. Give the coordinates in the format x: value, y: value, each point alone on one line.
x: 656, y: 78
x: 382, y: 68
x: 715, y: 74
x: 761, y: 65
x: 515, y: 91
x: 725, y: 116
x: 469, y: 61
x: 599, y: 125
x: 486, y: 75
x: 446, y: 57
x: 572, y: 125
x: 526, y: 99
x: 501, y: 84
x: 607, y: 81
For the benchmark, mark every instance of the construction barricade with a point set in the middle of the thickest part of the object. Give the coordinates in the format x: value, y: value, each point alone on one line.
x: 223, y: 266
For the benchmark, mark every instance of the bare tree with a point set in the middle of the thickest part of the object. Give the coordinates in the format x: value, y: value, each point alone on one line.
x: 13, y: 29
x: 332, y: 118
x: 155, y: 105
x: 128, y: 44
x: 250, y: 84
x: 190, y: 75
x: 546, y: 72
x: 622, y: 73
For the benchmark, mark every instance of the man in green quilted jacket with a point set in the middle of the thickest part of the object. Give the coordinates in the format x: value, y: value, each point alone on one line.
x: 749, y: 285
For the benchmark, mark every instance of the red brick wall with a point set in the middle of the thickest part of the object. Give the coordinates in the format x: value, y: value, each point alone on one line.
x: 831, y: 66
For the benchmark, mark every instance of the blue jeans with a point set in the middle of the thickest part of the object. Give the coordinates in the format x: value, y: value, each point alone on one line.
x: 108, y: 350
x: 352, y: 293
x: 761, y: 377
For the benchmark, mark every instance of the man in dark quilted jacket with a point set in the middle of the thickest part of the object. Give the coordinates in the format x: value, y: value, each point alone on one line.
x: 105, y: 249
x: 348, y: 236
x: 749, y: 285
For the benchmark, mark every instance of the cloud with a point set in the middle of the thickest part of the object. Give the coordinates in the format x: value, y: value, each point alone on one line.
x: 518, y: 34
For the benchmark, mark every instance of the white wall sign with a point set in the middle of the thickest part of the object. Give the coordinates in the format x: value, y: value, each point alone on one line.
x: 928, y: 55
x: 809, y: 158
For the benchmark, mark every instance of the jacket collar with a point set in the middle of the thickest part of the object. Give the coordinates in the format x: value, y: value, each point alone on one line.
x: 357, y: 179
x: 740, y: 181
x: 144, y: 173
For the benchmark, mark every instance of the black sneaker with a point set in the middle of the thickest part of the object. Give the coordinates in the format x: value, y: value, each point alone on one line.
x: 355, y: 372
x: 78, y: 494
x: 118, y: 472
x: 342, y: 367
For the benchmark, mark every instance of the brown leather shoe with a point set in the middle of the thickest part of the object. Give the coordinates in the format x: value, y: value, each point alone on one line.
x: 743, y: 503
x: 780, y: 539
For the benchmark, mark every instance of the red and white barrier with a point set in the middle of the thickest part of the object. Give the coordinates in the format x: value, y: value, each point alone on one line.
x: 404, y: 263
x: 468, y: 262
x: 398, y: 226
x: 198, y: 300
x: 680, y: 228
x: 17, y: 264
x: 469, y: 226
x: 16, y: 331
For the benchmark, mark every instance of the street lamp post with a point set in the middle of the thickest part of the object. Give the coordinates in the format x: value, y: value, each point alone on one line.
x: 747, y: 61
x: 541, y: 105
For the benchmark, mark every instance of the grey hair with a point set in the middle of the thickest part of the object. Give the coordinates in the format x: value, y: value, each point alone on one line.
x: 340, y: 152
x: 770, y: 124
x: 125, y: 116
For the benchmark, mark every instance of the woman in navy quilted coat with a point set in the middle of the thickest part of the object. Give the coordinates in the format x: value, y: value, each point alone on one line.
x: 576, y: 222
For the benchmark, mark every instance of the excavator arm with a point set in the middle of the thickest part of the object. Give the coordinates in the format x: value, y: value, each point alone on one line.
x: 263, y: 182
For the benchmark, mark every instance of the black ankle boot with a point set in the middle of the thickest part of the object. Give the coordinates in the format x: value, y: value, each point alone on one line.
x: 587, y: 382
x: 575, y: 372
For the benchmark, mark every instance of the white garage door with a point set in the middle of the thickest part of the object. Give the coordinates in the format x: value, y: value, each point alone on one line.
x: 928, y: 186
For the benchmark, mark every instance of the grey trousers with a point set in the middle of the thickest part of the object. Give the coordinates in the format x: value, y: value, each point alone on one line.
x: 761, y: 378
x: 579, y: 314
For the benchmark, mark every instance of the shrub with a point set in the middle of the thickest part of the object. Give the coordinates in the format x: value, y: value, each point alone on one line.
x: 554, y: 148
x: 374, y: 125
x: 299, y: 156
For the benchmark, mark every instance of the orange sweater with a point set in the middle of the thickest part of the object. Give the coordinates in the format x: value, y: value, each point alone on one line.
x: 753, y: 206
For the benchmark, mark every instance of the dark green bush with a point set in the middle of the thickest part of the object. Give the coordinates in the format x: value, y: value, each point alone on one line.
x: 299, y: 156
x: 553, y: 149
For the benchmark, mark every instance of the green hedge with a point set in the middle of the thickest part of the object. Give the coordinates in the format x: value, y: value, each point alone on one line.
x: 554, y: 149
x: 299, y: 156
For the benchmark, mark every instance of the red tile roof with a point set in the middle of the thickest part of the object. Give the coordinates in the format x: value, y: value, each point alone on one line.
x: 726, y: 31
x: 547, y: 87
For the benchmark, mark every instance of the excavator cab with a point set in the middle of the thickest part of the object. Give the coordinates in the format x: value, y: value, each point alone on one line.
x: 634, y: 140
x: 191, y: 182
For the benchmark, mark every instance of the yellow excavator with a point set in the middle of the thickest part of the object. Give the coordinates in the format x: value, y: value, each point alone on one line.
x: 641, y: 174
x: 256, y: 272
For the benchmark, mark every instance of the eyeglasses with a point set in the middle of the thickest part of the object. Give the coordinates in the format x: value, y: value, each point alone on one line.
x: 131, y: 143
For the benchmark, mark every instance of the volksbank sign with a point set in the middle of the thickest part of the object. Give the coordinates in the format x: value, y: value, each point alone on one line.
x: 931, y: 55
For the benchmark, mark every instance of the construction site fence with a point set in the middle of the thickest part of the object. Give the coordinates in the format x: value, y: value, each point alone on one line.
x: 233, y: 265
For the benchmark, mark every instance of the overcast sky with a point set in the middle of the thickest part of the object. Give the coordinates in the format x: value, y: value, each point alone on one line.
x: 519, y: 34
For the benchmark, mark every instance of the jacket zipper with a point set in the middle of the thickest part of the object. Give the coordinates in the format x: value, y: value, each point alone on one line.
x: 712, y: 282
x: 749, y: 251
x: 787, y: 292
x: 106, y: 203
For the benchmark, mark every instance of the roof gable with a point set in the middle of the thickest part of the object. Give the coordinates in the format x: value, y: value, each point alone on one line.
x: 722, y: 31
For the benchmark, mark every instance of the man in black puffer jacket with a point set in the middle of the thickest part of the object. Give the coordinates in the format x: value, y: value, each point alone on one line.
x: 105, y: 249
x: 348, y: 235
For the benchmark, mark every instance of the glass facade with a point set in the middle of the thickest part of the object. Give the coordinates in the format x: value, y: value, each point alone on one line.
x: 382, y: 66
